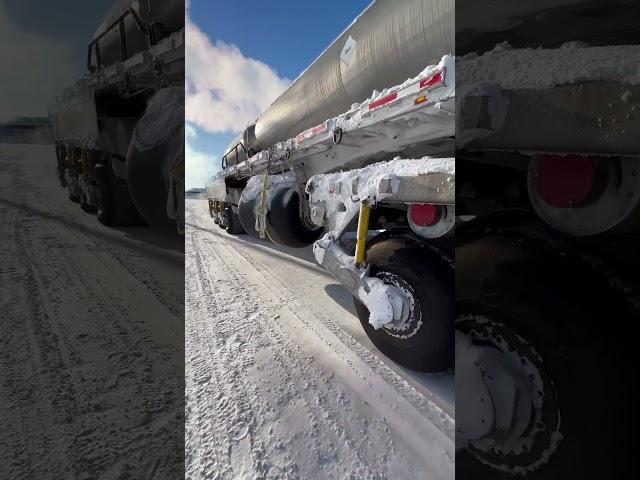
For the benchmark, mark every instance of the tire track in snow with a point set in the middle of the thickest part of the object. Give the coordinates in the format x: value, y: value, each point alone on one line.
x: 79, y: 347
x: 229, y: 337
x: 287, y: 356
x: 229, y: 395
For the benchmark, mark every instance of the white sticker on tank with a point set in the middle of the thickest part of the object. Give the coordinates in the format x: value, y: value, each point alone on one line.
x: 347, y: 50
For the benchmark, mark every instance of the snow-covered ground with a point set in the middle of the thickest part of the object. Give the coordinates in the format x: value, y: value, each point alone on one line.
x: 282, y: 382
x: 91, y: 349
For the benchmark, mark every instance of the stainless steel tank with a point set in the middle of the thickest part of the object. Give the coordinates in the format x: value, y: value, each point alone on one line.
x: 241, y: 148
x: 164, y: 16
x: 392, y: 40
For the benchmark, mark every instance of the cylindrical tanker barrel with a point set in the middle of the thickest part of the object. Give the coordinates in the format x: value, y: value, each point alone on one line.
x: 241, y: 148
x: 392, y: 40
x: 138, y: 19
x: 166, y: 15
x: 235, y: 153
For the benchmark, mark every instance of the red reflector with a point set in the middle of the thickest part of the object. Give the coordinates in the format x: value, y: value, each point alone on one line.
x: 565, y: 182
x: 423, y: 214
x: 383, y: 101
x: 319, y: 129
x: 312, y: 131
x: 433, y: 80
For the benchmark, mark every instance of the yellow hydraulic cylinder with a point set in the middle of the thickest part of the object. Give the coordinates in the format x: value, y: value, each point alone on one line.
x: 363, y: 230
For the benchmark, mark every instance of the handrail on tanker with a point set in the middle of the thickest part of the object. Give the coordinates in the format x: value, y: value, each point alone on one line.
x: 118, y: 22
x: 235, y: 150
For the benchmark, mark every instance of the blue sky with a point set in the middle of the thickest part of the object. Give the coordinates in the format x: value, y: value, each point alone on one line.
x: 258, y: 47
x: 285, y: 34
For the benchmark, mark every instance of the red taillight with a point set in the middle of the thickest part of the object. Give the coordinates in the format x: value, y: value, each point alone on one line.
x: 423, y: 214
x: 433, y: 80
x: 383, y: 101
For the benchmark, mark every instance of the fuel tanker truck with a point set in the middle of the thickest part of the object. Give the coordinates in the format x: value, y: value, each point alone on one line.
x: 119, y: 130
x: 356, y: 159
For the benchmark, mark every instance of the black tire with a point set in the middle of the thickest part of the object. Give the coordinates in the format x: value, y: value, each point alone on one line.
x: 149, y: 160
x: 427, y: 271
x: 116, y: 207
x: 221, y: 222
x: 234, y: 227
x: 85, y: 206
x: 60, y: 161
x: 284, y: 225
x: 74, y: 197
x: 527, y: 281
x: 60, y: 174
x: 247, y: 216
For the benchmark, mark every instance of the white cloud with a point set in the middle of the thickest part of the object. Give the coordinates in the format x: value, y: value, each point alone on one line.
x: 35, y: 69
x: 199, y: 166
x: 224, y: 89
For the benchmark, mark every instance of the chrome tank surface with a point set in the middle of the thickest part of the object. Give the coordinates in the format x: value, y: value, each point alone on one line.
x: 166, y: 15
x: 241, y: 148
x: 392, y: 40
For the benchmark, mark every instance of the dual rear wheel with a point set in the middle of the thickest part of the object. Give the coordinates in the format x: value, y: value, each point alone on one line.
x: 526, y: 293
x: 424, y: 271
x: 116, y: 207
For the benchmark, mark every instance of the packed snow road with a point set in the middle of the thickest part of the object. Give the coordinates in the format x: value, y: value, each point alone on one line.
x: 282, y: 383
x: 91, y: 365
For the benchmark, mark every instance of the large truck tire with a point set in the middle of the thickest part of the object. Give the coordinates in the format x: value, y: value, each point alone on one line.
x: 529, y: 294
x: 85, y: 206
x: 156, y: 146
x: 116, y: 207
x: 60, y: 175
x: 73, y: 196
x: 148, y: 185
x: 247, y: 215
x: 233, y: 225
x: 284, y: 225
x: 426, y: 273
x: 221, y: 220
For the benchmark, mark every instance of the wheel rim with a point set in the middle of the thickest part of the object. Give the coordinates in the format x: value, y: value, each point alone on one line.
x: 528, y: 445
x: 411, y: 322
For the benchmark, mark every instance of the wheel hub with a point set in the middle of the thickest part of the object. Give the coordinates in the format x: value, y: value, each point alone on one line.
x: 495, y: 393
x: 565, y: 182
x: 509, y: 417
x: 423, y: 214
x: 408, y: 321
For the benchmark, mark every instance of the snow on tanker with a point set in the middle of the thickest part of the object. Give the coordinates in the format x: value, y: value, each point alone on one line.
x: 119, y: 131
x: 330, y: 159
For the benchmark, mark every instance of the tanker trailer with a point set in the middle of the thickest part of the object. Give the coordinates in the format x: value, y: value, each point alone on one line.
x: 360, y: 147
x: 119, y: 131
